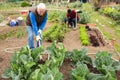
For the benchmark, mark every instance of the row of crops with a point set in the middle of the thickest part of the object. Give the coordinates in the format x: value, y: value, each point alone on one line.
x: 55, y: 33
x: 26, y: 64
x: 84, y: 36
x: 114, y: 13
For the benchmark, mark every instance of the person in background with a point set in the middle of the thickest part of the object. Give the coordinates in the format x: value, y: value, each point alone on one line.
x: 36, y: 21
x: 72, y: 18
x: 68, y: 19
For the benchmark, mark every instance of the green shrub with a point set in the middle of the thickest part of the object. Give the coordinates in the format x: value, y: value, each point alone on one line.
x: 57, y: 16
x: 84, y: 17
x: 25, y: 4
x: 1, y: 18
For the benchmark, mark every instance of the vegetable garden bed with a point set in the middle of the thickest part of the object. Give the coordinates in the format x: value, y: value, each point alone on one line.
x: 60, y: 64
x: 55, y: 33
x: 91, y: 36
x: 96, y: 37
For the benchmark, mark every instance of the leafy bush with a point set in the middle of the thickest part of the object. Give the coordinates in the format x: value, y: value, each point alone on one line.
x: 84, y: 17
x: 1, y: 18
x: 105, y: 64
x: 25, y: 4
x: 79, y: 56
x: 80, y: 72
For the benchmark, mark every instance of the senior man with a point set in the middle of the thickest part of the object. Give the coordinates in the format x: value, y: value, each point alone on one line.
x: 35, y: 22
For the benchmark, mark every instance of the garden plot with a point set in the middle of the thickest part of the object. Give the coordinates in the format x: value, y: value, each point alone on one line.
x: 91, y: 36
x: 26, y: 64
x: 70, y: 40
x: 96, y: 37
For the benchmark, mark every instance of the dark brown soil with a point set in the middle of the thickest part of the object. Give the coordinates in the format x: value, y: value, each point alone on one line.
x: 91, y: 69
x: 66, y: 68
x: 118, y: 75
x: 96, y: 37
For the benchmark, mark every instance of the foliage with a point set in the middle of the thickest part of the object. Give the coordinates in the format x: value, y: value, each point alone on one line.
x: 52, y: 74
x: 103, y: 58
x: 15, y: 32
x: 1, y: 18
x: 117, y: 47
x: 111, y: 12
x: 24, y: 64
x: 54, y: 16
x: 20, y: 34
x: 80, y: 72
x: 57, y: 16
x: 84, y: 17
x: 62, y: 17
x: 55, y: 33
x: 25, y: 4
x: 84, y: 36
x: 93, y: 76
x: 79, y: 56
x: 50, y: 30
x: 105, y: 64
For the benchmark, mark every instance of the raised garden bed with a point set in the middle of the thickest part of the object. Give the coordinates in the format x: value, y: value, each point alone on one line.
x: 95, y: 36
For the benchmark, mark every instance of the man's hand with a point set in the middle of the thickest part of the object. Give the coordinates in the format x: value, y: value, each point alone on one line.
x: 38, y: 38
x: 39, y: 31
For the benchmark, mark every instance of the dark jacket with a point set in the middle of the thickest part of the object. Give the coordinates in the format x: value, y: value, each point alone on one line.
x: 72, y: 15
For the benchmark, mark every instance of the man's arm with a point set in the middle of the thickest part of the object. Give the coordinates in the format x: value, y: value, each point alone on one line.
x: 41, y: 27
x: 33, y: 22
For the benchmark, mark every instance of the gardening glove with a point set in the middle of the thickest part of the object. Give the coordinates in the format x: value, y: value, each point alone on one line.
x: 40, y: 31
x: 38, y: 38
